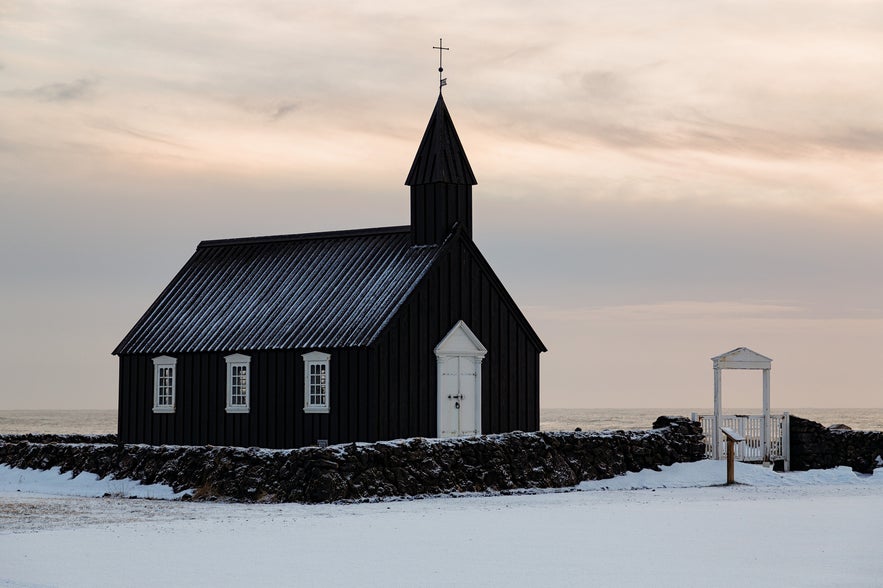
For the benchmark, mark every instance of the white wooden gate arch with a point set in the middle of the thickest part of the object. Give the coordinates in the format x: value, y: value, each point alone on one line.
x: 742, y: 358
x: 459, y: 356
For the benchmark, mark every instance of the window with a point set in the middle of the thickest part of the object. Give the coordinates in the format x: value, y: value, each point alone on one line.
x: 164, y: 383
x: 237, y: 382
x: 317, y: 388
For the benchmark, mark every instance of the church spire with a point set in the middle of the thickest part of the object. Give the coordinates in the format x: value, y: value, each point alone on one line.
x: 440, y: 157
x: 441, y: 178
x: 441, y: 181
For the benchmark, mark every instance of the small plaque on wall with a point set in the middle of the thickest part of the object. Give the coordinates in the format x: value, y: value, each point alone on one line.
x: 322, y: 442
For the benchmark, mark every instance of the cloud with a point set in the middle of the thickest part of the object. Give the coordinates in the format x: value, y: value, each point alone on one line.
x: 113, y: 127
x: 604, y: 85
x: 857, y: 139
x: 678, y: 310
x: 611, y: 118
x: 611, y: 87
x: 282, y: 110
x: 257, y: 105
x: 775, y: 140
x: 60, y: 92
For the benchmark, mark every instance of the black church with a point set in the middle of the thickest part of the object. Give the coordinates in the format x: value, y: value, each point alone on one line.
x: 363, y: 335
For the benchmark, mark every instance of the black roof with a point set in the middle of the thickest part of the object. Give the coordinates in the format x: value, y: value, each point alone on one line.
x: 440, y: 157
x: 334, y: 289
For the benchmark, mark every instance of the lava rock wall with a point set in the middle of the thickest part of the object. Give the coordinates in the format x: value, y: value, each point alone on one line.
x: 361, y: 471
x: 814, y: 446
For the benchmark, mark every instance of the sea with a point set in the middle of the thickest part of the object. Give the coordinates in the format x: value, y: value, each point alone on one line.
x: 551, y: 419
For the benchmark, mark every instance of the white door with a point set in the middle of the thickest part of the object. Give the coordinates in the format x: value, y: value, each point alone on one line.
x: 458, y: 396
x: 459, y: 355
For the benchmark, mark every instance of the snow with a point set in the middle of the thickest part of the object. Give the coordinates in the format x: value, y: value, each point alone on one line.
x: 53, y: 483
x: 711, y: 473
x: 682, y: 528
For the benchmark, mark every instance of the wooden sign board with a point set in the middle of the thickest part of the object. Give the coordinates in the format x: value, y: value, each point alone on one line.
x: 732, y: 435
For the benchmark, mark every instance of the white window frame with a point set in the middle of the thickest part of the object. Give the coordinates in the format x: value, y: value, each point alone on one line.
x: 237, y: 360
x: 161, y: 363
x: 321, y: 361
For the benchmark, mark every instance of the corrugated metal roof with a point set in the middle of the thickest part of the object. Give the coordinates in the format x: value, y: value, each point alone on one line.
x: 285, y: 292
x: 440, y: 157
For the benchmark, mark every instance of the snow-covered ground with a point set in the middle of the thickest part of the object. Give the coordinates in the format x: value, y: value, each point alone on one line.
x: 681, y: 528
x: 53, y: 483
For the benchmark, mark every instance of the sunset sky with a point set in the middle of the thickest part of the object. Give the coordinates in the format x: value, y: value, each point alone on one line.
x: 658, y: 182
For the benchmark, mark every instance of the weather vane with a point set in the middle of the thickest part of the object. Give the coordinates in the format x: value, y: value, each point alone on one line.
x: 441, y: 81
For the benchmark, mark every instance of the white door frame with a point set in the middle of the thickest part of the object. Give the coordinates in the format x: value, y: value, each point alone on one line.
x: 459, y: 342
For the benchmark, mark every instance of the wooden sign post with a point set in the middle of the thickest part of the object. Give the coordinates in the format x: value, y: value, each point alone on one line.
x: 732, y: 438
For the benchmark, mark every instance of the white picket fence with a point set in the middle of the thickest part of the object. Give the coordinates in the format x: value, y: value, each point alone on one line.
x: 750, y: 426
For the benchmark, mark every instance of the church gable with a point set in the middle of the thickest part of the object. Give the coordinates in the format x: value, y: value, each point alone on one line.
x: 461, y: 284
x: 459, y: 287
x: 506, y: 299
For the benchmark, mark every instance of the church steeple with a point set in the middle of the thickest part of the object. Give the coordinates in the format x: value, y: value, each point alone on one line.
x: 441, y: 181
x: 441, y: 157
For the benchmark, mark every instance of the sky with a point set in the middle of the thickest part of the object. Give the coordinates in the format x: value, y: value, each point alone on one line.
x: 659, y: 182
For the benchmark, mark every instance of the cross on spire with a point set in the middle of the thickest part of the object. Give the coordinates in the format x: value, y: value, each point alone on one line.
x: 441, y: 81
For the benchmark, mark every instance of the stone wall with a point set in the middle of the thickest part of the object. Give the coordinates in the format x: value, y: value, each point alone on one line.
x: 814, y: 446
x: 410, y: 467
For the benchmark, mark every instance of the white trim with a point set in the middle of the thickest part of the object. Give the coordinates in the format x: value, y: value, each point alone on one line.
x: 317, y: 409
x: 459, y: 342
x: 439, y: 405
x: 323, y: 361
x: 478, y: 359
x: 161, y: 363
x: 237, y: 360
x: 445, y: 345
x: 742, y: 358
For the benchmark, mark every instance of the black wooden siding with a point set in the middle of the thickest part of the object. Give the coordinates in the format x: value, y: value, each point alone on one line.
x: 383, y: 391
x: 275, y: 418
x: 436, y: 208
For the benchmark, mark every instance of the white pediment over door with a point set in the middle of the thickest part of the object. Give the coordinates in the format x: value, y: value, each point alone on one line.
x: 460, y: 340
